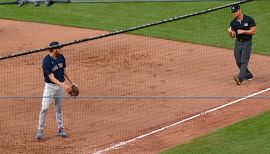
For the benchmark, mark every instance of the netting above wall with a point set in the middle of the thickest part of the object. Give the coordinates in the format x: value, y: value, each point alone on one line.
x: 3, y: 2
x: 122, y: 1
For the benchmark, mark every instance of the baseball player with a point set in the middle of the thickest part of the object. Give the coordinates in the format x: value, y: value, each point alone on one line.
x: 22, y: 2
x: 36, y: 2
x: 243, y: 27
x: 54, y: 76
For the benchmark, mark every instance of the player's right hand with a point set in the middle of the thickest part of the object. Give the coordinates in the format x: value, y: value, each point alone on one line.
x: 230, y: 30
x: 67, y: 88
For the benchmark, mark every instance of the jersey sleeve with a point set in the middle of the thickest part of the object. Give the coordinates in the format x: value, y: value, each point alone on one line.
x: 252, y: 22
x: 233, y: 26
x: 47, y: 68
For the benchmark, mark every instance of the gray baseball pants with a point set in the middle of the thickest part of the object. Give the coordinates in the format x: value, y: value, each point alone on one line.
x: 56, y: 93
x: 242, y: 52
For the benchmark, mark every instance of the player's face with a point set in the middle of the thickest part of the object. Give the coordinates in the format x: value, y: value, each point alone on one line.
x: 57, y: 51
x: 237, y: 13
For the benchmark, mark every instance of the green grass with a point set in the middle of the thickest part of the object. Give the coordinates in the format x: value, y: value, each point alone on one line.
x: 250, y: 136
x: 207, y: 29
x: 211, y: 28
x: 1, y: 1
x: 106, y: 16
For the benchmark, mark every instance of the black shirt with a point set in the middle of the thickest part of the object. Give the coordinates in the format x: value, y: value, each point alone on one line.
x: 55, y: 66
x: 245, y: 24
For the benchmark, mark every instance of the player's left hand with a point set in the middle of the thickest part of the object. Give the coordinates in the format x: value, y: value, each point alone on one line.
x: 240, y: 31
x: 74, y: 90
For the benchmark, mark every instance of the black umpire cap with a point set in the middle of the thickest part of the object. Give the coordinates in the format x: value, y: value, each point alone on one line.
x: 235, y: 8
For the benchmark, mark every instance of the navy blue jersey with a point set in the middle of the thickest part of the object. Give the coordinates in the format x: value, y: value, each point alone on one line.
x: 56, y: 66
x: 245, y: 24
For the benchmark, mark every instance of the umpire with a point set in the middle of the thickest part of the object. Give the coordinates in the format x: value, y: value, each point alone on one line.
x: 243, y: 27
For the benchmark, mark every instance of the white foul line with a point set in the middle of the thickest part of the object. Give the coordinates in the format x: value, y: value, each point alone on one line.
x: 123, y: 143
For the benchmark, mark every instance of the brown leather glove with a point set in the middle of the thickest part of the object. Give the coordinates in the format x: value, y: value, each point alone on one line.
x: 74, y: 90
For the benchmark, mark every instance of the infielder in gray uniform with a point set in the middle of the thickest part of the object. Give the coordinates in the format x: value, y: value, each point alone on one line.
x: 54, y: 76
x: 36, y: 2
x: 243, y: 27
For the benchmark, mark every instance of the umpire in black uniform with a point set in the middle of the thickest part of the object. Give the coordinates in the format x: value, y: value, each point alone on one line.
x: 242, y: 27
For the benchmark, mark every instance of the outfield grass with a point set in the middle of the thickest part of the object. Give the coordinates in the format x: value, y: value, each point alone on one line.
x: 1, y: 1
x: 250, y: 136
x: 207, y: 29
x: 105, y: 16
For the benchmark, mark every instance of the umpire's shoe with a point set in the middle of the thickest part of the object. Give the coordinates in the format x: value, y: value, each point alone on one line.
x: 237, y: 80
x: 39, y: 134
x: 249, y: 78
x: 62, y: 133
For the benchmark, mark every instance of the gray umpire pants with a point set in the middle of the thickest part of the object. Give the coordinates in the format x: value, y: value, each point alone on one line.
x: 242, y: 52
x: 56, y: 93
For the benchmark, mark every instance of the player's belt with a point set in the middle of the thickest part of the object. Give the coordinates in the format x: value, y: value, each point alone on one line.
x: 242, y: 40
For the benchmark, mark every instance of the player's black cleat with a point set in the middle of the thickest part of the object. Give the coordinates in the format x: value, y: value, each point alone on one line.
x: 39, y: 134
x: 62, y: 133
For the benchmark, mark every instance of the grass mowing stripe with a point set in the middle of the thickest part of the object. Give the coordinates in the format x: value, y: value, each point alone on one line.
x: 248, y: 136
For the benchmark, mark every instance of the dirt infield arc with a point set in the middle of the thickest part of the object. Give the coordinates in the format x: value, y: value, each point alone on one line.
x: 180, y: 69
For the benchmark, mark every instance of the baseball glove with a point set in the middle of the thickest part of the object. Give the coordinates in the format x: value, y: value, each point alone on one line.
x: 74, y: 90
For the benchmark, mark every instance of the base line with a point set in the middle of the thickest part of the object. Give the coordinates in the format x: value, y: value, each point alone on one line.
x: 123, y: 143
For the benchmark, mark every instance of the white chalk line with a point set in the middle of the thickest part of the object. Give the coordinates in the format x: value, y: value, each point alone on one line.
x: 123, y: 143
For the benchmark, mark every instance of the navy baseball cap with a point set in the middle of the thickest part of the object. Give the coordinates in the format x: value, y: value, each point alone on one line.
x: 54, y: 43
x: 235, y: 8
